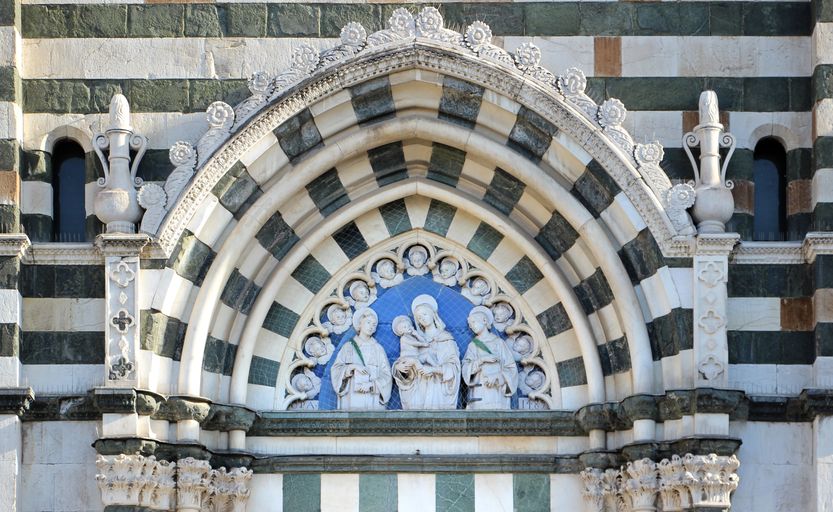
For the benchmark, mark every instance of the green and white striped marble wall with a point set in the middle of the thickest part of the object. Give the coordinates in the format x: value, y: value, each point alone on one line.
x: 656, y: 57
x: 414, y: 492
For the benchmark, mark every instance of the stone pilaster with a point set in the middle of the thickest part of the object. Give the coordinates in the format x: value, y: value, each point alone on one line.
x: 822, y: 61
x: 121, y: 267
x: 687, y: 483
x: 711, y: 351
x: 13, y: 403
x: 12, y: 249
x: 11, y: 127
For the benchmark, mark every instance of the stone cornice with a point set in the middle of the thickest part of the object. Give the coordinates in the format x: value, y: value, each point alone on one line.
x: 64, y: 254
x: 418, y: 463
x: 817, y: 243
x: 13, y: 244
x: 430, y: 423
x: 121, y: 244
x: 715, y: 244
x: 609, y: 416
x: 16, y: 400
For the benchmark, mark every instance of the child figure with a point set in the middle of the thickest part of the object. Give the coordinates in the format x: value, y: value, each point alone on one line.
x: 410, y: 342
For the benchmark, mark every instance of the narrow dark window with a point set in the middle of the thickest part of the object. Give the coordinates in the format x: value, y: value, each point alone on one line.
x: 68, y: 192
x: 770, y: 197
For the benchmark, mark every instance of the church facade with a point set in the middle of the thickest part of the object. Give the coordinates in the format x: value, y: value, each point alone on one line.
x: 505, y: 256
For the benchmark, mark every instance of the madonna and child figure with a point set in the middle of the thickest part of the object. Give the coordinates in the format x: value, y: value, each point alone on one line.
x: 429, y: 379
x: 428, y: 370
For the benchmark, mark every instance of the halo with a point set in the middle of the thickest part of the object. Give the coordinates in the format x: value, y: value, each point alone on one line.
x: 424, y: 299
x: 485, y: 312
x: 359, y: 314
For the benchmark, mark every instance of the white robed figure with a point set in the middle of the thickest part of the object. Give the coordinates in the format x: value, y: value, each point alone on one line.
x: 489, y: 368
x: 361, y: 372
x: 432, y: 381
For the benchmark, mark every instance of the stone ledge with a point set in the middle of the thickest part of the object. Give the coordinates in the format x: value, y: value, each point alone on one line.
x: 431, y: 423
x: 610, y: 416
x: 16, y: 400
x: 416, y: 463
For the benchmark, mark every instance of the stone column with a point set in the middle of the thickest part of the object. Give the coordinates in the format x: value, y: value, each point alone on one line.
x: 711, y: 350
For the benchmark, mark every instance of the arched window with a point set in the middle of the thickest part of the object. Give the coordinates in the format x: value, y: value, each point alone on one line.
x: 68, y: 180
x: 769, y: 176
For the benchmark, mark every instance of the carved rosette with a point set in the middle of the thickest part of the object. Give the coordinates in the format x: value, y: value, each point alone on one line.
x: 691, y: 482
x: 401, y: 29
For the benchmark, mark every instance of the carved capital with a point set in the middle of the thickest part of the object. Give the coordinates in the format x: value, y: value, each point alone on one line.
x: 229, y: 490
x: 691, y: 482
x: 121, y: 244
x: 713, y: 479
x: 192, y: 482
x: 14, y: 244
x: 125, y: 479
x: 716, y: 244
x: 816, y: 243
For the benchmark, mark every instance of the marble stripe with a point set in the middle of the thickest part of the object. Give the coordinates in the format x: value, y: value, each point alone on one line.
x: 378, y: 493
x: 415, y: 492
x: 493, y: 492
x: 301, y: 492
x: 340, y: 493
x: 455, y: 493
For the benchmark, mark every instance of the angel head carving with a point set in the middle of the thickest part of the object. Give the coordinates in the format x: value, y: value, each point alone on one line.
x: 360, y: 294
x: 416, y: 263
x: 504, y: 314
x: 521, y: 345
x: 318, y: 349
x: 307, y: 383
x: 338, y: 319
x: 477, y: 290
x: 448, y: 271
x: 386, y: 275
x: 532, y: 380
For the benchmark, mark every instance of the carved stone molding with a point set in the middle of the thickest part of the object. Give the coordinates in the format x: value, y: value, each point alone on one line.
x: 136, y: 480
x: 16, y: 400
x: 816, y: 243
x: 410, y: 41
x: 13, y: 244
x: 690, y: 482
x: 188, y: 484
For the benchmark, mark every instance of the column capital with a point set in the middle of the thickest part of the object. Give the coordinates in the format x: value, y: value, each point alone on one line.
x: 715, y: 244
x: 14, y: 244
x: 121, y: 244
x: 681, y: 483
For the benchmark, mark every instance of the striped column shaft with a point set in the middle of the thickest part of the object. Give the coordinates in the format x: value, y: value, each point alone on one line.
x: 11, y: 126
x: 822, y: 179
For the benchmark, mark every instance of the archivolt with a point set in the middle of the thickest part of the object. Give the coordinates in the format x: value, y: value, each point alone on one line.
x: 580, y: 138
x: 287, y: 185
